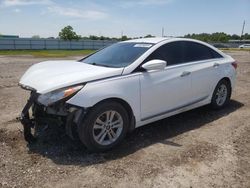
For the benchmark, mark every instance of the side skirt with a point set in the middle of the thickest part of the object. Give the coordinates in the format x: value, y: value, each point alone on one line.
x: 195, y: 104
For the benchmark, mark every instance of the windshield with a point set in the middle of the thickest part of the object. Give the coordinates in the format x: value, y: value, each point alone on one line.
x: 118, y: 55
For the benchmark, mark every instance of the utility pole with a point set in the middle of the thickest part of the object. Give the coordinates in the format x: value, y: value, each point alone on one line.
x: 243, y: 27
x: 162, y: 32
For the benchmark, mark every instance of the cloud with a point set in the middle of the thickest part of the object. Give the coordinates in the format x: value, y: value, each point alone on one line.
x: 54, y: 8
x: 130, y: 3
x: 77, y: 13
x: 10, y: 3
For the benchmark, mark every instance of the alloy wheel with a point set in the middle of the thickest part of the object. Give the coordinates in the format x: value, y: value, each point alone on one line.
x: 221, y: 95
x: 107, y: 127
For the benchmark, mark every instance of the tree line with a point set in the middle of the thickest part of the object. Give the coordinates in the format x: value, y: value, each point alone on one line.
x: 68, y: 33
x: 217, y: 37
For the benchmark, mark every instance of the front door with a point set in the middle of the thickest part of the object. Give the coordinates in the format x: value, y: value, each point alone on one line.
x: 164, y: 91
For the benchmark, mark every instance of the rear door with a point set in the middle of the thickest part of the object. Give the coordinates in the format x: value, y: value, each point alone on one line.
x: 205, y: 68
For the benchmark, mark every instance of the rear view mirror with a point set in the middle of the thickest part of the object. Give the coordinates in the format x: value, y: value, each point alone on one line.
x: 155, y: 64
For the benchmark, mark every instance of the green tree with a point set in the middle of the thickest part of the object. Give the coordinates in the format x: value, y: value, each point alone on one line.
x: 67, y: 33
x: 124, y: 37
x: 235, y: 37
x: 35, y: 37
x: 93, y: 37
x: 148, y: 36
x: 214, y: 37
x: 246, y: 36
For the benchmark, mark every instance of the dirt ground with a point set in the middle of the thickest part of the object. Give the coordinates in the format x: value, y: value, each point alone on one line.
x: 199, y: 148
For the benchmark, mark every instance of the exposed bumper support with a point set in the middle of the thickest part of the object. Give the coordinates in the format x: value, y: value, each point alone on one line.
x: 73, y: 121
x: 74, y: 116
x: 25, y: 119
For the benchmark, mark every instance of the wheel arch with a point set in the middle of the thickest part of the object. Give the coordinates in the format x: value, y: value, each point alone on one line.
x: 224, y: 80
x: 214, y: 87
x: 228, y: 80
x: 127, y: 107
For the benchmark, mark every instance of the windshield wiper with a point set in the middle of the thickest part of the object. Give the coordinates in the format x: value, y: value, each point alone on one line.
x: 101, y: 65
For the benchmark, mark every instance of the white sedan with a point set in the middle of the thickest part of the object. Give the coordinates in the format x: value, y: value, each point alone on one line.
x: 244, y: 46
x: 124, y: 86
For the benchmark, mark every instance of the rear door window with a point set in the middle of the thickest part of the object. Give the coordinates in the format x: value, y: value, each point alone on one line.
x: 197, y: 52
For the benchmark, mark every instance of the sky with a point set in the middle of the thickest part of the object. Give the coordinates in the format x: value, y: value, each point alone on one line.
x: 113, y: 18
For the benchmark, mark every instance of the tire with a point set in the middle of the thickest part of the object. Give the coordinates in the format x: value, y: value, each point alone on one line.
x: 221, y: 95
x: 96, y: 133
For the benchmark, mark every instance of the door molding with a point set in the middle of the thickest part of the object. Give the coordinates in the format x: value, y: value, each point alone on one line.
x: 176, y: 108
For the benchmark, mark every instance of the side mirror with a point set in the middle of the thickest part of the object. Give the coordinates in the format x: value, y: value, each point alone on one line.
x: 155, y: 64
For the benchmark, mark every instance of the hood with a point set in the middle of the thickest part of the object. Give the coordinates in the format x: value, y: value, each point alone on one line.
x: 51, y: 75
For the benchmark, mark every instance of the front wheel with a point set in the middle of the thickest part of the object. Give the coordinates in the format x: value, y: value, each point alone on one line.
x: 104, y: 126
x: 221, y: 94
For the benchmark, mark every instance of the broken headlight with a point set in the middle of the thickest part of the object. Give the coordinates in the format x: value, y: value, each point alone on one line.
x: 54, y: 96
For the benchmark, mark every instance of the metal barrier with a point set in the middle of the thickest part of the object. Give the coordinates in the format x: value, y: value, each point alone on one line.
x: 57, y: 44
x: 52, y: 44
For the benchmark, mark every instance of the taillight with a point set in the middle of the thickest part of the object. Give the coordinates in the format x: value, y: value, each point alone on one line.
x: 235, y: 65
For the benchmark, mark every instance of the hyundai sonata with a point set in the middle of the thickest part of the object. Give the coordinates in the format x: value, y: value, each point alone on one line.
x: 124, y: 86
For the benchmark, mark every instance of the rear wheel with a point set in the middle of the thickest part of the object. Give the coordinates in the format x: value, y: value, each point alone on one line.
x: 221, y: 95
x: 104, y: 126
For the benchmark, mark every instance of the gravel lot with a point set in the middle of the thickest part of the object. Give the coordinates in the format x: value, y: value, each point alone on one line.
x: 199, y: 148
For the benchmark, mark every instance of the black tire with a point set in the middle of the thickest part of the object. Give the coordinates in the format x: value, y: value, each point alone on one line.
x: 214, y: 102
x: 86, y: 128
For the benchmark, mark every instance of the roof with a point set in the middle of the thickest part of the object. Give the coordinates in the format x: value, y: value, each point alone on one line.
x: 153, y: 40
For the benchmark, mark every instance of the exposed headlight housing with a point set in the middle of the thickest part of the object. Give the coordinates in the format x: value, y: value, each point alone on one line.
x: 54, y: 96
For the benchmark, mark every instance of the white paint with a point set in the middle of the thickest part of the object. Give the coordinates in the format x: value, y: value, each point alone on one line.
x: 152, y: 95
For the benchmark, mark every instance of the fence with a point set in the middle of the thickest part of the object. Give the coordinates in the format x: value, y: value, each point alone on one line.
x: 226, y: 45
x: 56, y: 44
x: 51, y: 44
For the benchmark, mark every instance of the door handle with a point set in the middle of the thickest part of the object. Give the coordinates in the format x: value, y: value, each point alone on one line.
x: 216, y: 65
x: 185, y: 73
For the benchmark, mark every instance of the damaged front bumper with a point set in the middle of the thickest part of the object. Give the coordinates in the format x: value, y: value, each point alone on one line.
x: 72, y: 116
x: 25, y: 118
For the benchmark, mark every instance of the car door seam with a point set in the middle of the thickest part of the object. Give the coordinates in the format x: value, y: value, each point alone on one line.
x: 175, y: 109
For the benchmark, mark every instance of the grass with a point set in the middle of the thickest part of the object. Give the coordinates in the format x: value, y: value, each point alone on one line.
x: 235, y: 49
x: 65, y: 53
x: 47, y: 53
